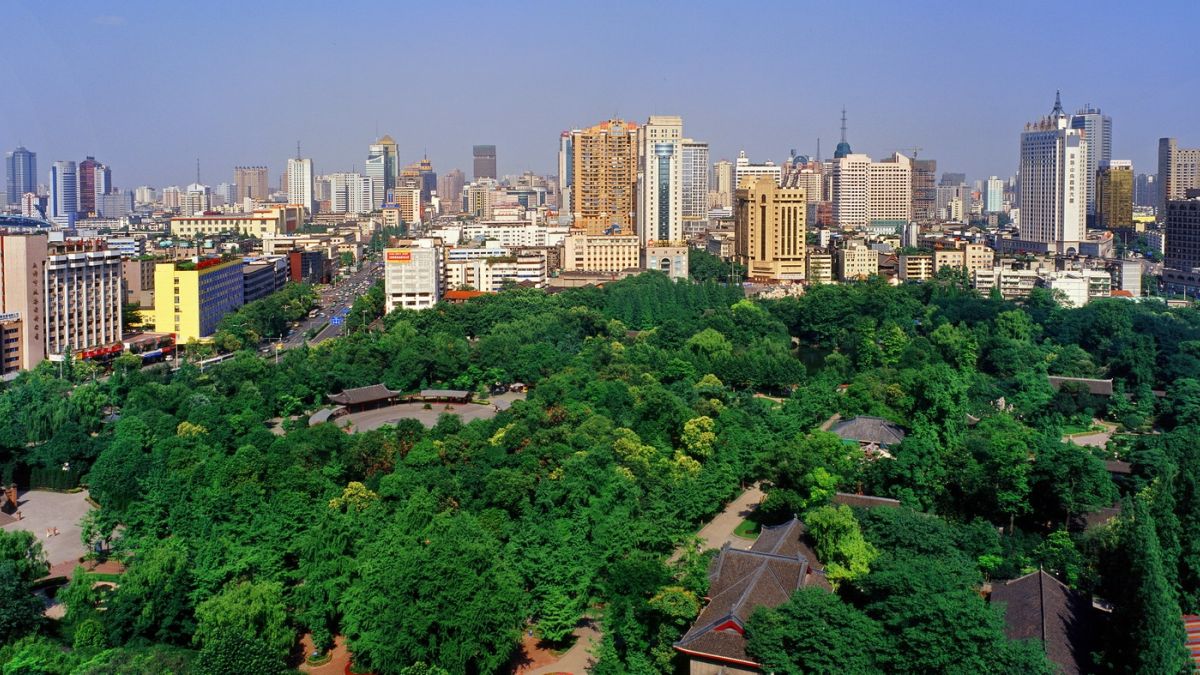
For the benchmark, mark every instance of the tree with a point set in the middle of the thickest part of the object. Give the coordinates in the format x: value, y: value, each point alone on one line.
x: 254, y: 611
x: 21, y: 611
x: 839, y: 543
x: 154, y: 597
x: 558, y: 616
x: 228, y: 651
x: 814, y: 632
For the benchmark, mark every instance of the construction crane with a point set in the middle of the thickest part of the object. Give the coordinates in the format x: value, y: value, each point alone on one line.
x: 914, y: 151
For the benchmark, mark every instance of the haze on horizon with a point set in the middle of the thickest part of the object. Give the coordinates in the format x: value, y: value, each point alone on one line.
x: 149, y: 88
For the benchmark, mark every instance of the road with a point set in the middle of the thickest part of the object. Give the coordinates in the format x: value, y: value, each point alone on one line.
x: 333, y: 301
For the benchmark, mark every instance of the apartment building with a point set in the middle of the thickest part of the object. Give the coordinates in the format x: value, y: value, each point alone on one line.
x: 857, y: 263
x: 192, y: 296
x: 770, y: 230
x: 970, y: 257
x: 600, y: 253
x: 412, y: 276
x: 918, y: 267
x: 260, y: 224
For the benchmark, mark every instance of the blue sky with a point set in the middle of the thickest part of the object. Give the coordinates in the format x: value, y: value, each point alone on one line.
x: 149, y: 87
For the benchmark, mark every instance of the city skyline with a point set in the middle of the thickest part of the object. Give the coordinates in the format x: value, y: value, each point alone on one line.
x: 895, y: 99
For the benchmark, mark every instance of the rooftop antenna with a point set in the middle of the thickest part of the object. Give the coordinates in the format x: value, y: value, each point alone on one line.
x: 297, y: 149
x: 843, y: 124
x: 1058, y: 109
x: 197, y: 170
x: 818, y: 150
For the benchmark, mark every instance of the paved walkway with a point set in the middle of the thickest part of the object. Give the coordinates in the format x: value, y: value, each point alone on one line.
x: 578, y: 659
x: 1095, y: 439
x: 368, y: 420
x: 41, y: 510
x: 720, y: 529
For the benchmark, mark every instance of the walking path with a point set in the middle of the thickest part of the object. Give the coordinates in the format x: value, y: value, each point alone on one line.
x: 576, y: 660
x: 1095, y: 439
x: 42, y: 510
x: 720, y: 529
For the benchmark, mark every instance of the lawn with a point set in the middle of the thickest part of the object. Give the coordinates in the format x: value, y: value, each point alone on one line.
x: 747, y: 529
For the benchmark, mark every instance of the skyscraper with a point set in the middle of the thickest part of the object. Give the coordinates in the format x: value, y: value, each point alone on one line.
x: 723, y: 180
x: 993, y: 195
x: 300, y: 183
x: 87, y: 185
x: 605, y: 187
x: 21, y: 172
x: 1178, y: 172
x: 64, y: 195
x: 382, y: 167
x: 1181, y: 222
x: 924, y: 189
x: 351, y: 193
x: 1145, y: 190
x: 695, y: 182
x: 660, y: 180
x: 867, y: 192
x: 770, y: 235
x: 843, y: 147
x: 1053, y: 184
x: 485, y: 161
x: 251, y: 182
x: 1114, y: 194
x: 566, y: 171
x: 450, y: 189
x: 1097, y: 131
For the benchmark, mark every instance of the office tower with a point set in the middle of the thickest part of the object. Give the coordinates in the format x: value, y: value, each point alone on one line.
x: 1178, y: 172
x: 485, y: 161
x: 1097, y: 131
x: 660, y: 180
x: 102, y: 182
x: 566, y: 172
x: 1053, y: 197
x: 867, y: 192
x: 924, y: 189
x: 196, y: 198
x: 843, y: 147
x: 64, y: 196
x: 1182, y: 225
x: 204, y: 291
x: 954, y: 179
x: 742, y: 168
x: 114, y: 204
x: 1145, y: 190
x: 350, y: 193
x: 382, y: 167
x: 300, y: 183
x: 83, y: 295
x: 993, y: 195
x: 412, y: 277
x: 144, y: 194
x: 695, y: 183
x: 725, y: 183
x: 1114, y: 194
x: 226, y: 193
x: 450, y: 189
x: 20, y: 167
x: 770, y: 235
x: 86, y: 193
x: 429, y: 179
x: 606, y: 162
x: 251, y: 182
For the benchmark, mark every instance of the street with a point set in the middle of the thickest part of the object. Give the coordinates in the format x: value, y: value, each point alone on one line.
x: 333, y: 301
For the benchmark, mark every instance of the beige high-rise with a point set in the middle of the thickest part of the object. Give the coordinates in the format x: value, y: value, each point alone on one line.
x: 251, y: 182
x: 770, y: 229
x: 604, y: 192
x: 1178, y: 172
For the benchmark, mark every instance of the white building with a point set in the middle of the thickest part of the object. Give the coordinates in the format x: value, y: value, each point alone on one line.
x: 866, y: 192
x: 695, y: 182
x: 743, y: 168
x: 412, y: 276
x: 521, y: 233
x: 64, y: 194
x: 1097, y: 131
x: 197, y: 199
x: 491, y: 274
x: 724, y: 185
x: 993, y: 195
x: 1079, y: 287
x: 84, y: 297
x: 351, y: 193
x: 1053, y: 184
x: 300, y: 182
x: 660, y: 180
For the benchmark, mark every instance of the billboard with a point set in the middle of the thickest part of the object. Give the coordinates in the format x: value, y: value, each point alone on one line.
x: 398, y: 255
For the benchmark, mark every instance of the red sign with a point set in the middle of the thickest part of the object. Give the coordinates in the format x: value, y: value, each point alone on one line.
x: 399, y: 256
x: 210, y: 262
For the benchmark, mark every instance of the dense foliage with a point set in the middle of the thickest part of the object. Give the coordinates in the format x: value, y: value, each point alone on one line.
x: 653, y: 403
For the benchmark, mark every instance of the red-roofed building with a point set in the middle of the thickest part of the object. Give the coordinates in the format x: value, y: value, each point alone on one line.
x: 459, y: 297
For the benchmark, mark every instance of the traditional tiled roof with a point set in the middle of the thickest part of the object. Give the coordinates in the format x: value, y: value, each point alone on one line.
x: 865, y: 501
x: 445, y: 393
x: 375, y: 392
x: 1095, y: 387
x: 1037, y: 606
x: 867, y: 429
x: 779, y: 562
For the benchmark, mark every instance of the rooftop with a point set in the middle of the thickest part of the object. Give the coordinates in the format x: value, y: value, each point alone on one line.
x: 868, y: 429
x: 1037, y: 606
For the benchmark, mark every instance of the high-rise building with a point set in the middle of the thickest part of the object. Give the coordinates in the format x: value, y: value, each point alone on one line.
x: 1114, y: 194
x: 251, y: 182
x: 450, y: 189
x: 172, y: 197
x: 1097, y: 131
x: 924, y: 190
x: 603, y: 195
x: 743, y: 169
x: 566, y: 172
x: 114, y: 204
x: 20, y: 168
x: 1053, y: 184
x: 485, y: 161
x: 382, y: 167
x: 412, y: 277
x: 1145, y: 190
x: 429, y: 179
x: 102, y: 182
x: 695, y: 182
x: 86, y: 190
x: 993, y: 195
x: 1178, y: 172
x: 770, y: 236
x: 725, y: 183
x: 953, y: 179
x: 300, y: 183
x: 1182, y: 225
x: 64, y: 195
x: 351, y: 193
x: 843, y: 147
x: 144, y: 194
x: 660, y: 180
x: 192, y: 296
x: 866, y: 192
x: 196, y: 199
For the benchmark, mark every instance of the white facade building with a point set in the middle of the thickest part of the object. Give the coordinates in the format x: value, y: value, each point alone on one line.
x: 660, y: 180
x: 993, y: 195
x: 866, y: 192
x: 743, y: 168
x: 351, y: 193
x: 695, y: 181
x: 1097, y: 131
x: 1053, y: 184
x: 300, y: 183
x: 64, y: 194
x: 412, y: 277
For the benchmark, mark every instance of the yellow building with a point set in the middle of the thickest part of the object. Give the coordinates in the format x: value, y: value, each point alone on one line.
x: 971, y: 257
x: 191, y: 298
x: 916, y: 267
x: 604, y: 188
x: 600, y: 253
x: 1114, y: 194
x: 274, y: 220
x: 857, y: 263
x: 770, y: 229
